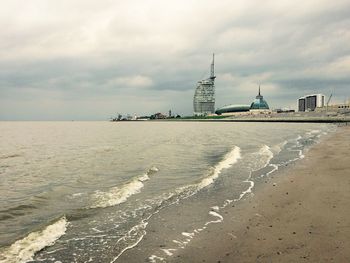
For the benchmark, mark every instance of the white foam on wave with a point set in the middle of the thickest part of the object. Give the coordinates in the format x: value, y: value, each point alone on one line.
x: 24, y: 249
x: 314, y: 132
x: 308, y: 135
x: 134, y: 231
x: 187, y: 237
x: 230, y: 158
x: 275, y: 168
x: 154, y: 259
x: 189, y: 190
x: 215, y: 208
x: 169, y: 251
x: 266, y: 156
x: 117, y: 195
x: 247, y: 191
x: 216, y: 215
x: 186, y: 234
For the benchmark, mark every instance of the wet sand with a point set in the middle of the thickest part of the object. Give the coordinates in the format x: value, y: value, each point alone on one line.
x: 301, y: 215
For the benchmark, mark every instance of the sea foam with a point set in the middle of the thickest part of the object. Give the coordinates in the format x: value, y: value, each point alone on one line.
x: 136, y: 233
x: 117, y: 195
x: 23, y: 250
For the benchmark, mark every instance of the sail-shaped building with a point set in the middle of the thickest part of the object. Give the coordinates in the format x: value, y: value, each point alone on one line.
x: 204, y: 95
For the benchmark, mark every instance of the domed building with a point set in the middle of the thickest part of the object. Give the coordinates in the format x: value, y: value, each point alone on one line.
x: 259, y: 104
x: 231, y: 109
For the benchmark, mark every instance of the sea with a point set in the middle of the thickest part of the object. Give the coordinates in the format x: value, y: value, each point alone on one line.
x: 87, y: 191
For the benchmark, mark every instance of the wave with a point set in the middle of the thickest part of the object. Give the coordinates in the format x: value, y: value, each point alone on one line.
x: 24, y: 249
x: 19, y: 210
x: 266, y: 156
x: 137, y: 232
x: 102, y: 149
x: 230, y: 158
x: 187, y: 191
x: 118, y: 195
x: 259, y: 159
x: 279, y: 147
x: 11, y: 155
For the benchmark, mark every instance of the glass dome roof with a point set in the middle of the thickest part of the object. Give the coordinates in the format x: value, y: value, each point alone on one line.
x: 259, y: 103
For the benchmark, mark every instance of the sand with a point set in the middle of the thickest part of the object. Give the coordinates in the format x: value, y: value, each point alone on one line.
x: 301, y: 215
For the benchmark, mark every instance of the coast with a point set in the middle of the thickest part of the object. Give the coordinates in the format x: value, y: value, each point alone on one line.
x: 301, y: 215
x: 263, y: 118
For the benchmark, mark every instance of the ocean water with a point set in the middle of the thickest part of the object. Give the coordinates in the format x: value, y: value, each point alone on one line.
x: 86, y: 191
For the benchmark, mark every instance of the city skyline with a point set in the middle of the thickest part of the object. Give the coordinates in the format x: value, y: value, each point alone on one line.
x: 89, y: 60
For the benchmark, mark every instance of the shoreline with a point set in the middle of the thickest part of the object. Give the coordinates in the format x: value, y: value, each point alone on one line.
x: 335, y: 120
x: 301, y: 215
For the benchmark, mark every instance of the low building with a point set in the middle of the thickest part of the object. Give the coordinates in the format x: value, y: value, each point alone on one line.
x: 311, y: 102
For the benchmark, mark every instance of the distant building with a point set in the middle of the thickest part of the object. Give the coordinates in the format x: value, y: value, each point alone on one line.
x: 157, y: 116
x: 311, y: 102
x: 204, y: 95
x: 284, y: 110
x: 259, y: 104
x: 336, y: 108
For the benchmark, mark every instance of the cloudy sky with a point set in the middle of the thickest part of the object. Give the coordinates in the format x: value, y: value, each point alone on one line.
x: 92, y: 59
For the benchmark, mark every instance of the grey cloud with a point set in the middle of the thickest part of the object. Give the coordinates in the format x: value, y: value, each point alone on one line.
x: 92, y: 59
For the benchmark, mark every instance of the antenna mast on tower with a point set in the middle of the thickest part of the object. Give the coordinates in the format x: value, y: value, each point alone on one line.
x: 212, y: 75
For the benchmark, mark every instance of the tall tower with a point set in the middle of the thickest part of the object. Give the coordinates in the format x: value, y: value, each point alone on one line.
x: 204, y: 95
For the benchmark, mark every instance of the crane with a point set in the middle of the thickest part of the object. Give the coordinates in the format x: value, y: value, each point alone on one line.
x: 329, y: 100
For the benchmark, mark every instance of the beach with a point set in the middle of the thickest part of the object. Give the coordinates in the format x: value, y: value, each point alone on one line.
x: 300, y: 214
x: 190, y: 192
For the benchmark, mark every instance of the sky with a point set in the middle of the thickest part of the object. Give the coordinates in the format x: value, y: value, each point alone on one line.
x: 93, y: 59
